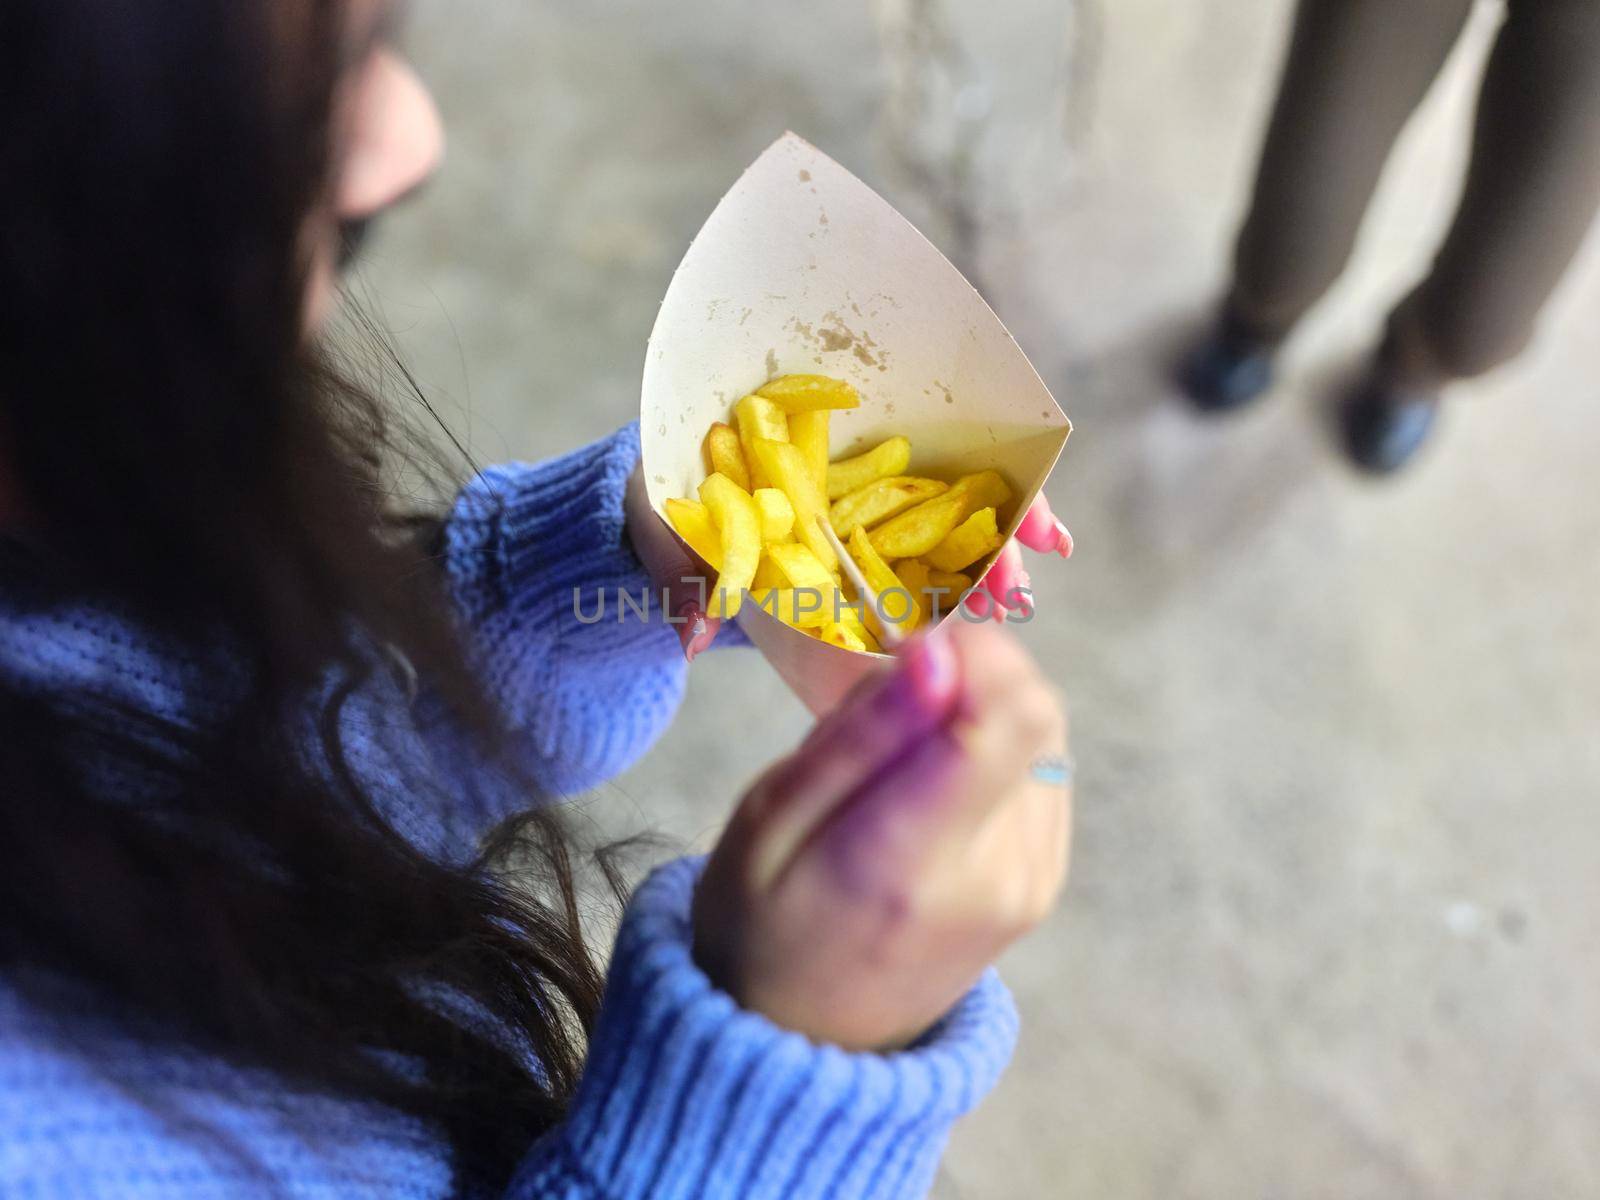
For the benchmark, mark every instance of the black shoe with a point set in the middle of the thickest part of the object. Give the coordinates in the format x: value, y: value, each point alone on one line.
x: 1229, y: 369
x: 1383, y: 425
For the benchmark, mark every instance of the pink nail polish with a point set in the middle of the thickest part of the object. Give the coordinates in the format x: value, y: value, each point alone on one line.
x: 692, y: 630
x: 932, y: 669
x: 699, y: 639
x: 1063, y: 540
x: 1025, y: 594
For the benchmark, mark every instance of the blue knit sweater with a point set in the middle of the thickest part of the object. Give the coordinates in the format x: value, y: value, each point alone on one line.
x: 684, y: 1094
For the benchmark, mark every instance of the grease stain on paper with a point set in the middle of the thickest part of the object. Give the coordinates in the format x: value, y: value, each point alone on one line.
x: 834, y: 336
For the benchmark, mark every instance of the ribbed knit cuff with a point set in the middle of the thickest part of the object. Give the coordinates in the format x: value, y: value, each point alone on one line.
x: 684, y: 1086
x: 526, y: 543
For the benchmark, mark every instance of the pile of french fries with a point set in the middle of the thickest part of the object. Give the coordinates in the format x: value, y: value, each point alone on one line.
x: 755, y: 522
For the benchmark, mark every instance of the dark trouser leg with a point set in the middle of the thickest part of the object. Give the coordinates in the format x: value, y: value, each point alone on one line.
x: 1355, y: 71
x: 1531, y: 193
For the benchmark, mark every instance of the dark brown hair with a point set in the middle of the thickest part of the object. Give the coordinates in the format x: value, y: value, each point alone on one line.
x: 188, y: 461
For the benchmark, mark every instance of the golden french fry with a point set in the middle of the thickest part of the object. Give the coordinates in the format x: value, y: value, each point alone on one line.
x: 849, y: 631
x: 918, y: 530
x: 896, y: 600
x: 851, y: 620
x: 803, y: 393
x: 983, y: 489
x: 768, y: 575
x: 881, y: 500
x: 739, y: 524
x: 809, y: 431
x: 777, y: 514
x: 724, y: 454
x: 851, y: 474
x: 957, y: 583
x: 801, y: 607
x: 785, y: 466
x: 759, y: 417
x: 914, y: 574
x: 806, y: 574
x: 693, y: 522
x: 836, y: 633
x: 802, y: 568
x: 967, y: 542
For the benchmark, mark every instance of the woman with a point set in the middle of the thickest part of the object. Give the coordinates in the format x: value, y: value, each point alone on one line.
x: 254, y: 726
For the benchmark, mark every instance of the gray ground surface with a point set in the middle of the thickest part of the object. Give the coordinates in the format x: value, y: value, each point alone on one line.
x: 1334, y: 922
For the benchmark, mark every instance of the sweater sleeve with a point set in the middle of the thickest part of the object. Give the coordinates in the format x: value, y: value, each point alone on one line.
x: 537, y: 559
x: 685, y: 1094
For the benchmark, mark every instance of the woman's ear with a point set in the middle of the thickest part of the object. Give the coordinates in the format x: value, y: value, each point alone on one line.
x: 396, y: 139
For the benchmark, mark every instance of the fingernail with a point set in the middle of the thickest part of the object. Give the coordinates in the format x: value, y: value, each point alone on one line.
x: 699, y: 639
x: 693, y: 633
x: 1063, y: 540
x: 1022, y: 590
x: 933, y: 669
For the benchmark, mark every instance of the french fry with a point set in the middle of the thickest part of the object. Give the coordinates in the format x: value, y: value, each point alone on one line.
x: 768, y: 575
x: 983, y: 489
x: 800, y: 607
x: 809, y: 431
x: 724, y: 454
x: 804, y: 393
x: 967, y: 542
x: 739, y: 524
x: 954, y: 580
x: 759, y: 417
x: 777, y: 514
x: 899, y: 604
x: 693, y: 522
x: 918, y: 530
x: 836, y: 633
x: 808, y: 576
x: 802, y: 568
x: 785, y: 466
x: 887, y: 458
x: 851, y: 633
x: 850, y: 618
x: 881, y: 500
x: 914, y: 574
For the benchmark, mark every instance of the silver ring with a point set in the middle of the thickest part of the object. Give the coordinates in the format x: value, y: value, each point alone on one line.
x: 1055, y: 770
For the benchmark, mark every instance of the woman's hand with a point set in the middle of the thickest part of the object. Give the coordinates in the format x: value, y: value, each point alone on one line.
x: 677, y: 573
x: 866, y: 880
x: 686, y: 579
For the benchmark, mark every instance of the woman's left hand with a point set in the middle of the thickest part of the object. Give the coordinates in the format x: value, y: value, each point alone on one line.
x: 683, y: 578
x: 680, y: 577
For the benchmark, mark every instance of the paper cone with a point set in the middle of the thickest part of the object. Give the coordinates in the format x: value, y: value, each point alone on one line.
x: 802, y: 268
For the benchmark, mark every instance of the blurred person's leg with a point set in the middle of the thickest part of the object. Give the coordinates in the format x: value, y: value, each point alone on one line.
x: 1355, y: 71
x: 1531, y: 194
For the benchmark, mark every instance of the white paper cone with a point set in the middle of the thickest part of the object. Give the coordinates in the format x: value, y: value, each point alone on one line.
x: 802, y: 268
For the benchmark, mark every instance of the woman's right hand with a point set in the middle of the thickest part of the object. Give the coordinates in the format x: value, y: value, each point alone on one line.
x: 866, y: 880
